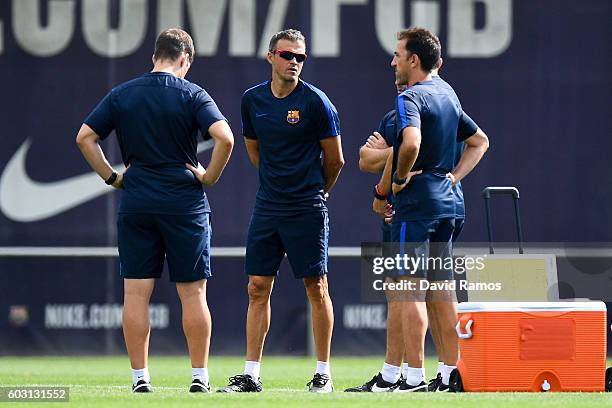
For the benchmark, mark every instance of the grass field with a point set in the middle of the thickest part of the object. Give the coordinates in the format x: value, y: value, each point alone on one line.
x: 104, y: 382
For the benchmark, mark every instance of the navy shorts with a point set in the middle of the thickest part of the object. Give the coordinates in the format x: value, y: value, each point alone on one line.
x: 386, y: 231
x: 303, y: 237
x: 429, y: 242
x: 146, y: 239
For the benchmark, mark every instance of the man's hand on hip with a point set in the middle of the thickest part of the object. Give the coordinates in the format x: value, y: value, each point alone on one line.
x: 399, y: 187
x: 200, y: 173
x: 118, y: 184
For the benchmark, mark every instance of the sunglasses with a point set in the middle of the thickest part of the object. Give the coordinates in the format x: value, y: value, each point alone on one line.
x: 288, y: 55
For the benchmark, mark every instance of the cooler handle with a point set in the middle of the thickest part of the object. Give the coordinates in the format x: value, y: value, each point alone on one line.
x: 468, y: 330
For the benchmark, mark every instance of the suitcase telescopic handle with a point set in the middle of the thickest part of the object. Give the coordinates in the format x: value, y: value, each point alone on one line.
x: 513, y: 191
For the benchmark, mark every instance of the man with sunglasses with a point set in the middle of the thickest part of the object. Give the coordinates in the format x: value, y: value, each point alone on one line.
x: 287, y: 125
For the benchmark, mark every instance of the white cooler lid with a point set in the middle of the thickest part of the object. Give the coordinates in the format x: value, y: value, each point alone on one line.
x: 590, y: 306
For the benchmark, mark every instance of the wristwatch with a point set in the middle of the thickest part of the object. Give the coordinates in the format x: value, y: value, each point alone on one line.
x: 113, y: 177
x: 378, y: 194
x: 397, y: 180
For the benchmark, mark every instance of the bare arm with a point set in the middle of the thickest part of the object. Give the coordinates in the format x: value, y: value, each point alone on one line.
x: 87, y: 141
x: 476, y: 146
x: 252, y: 147
x: 384, y: 187
x: 408, y: 152
x: 373, y: 160
x: 373, y: 154
x: 381, y: 207
x: 224, y: 143
x: 333, y: 160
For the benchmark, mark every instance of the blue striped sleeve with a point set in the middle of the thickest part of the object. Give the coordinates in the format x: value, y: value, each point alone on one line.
x: 408, y: 112
x: 328, y: 123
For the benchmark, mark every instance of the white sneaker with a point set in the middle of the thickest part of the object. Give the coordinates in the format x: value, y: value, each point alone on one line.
x: 320, y: 383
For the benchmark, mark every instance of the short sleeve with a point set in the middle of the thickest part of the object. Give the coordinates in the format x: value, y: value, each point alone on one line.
x: 466, y: 128
x: 381, y: 127
x: 206, y: 112
x: 386, y: 128
x: 408, y: 113
x: 327, y: 123
x: 248, y: 130
x: 101, y: 120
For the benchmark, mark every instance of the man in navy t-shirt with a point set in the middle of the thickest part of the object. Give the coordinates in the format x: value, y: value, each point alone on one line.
x: 163, y: 213
x: 373, y: 157
x: 292, y: 135
x: 430, y: 123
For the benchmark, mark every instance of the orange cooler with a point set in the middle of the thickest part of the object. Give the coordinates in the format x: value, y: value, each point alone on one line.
x: 532, y: 346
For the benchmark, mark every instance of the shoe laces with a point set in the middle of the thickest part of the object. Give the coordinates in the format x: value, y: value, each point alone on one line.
x: 435, y: 383
x: 319, y: 380
x: 241, y: 379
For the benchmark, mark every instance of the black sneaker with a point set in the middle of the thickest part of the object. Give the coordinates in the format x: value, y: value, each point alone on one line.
x: 142, y: 386
x: 320, y: 383
x: 376, y: 384
x: 436, y: 385
x: 199, y: 386
x: 405, y: 387
x: 242, y: 383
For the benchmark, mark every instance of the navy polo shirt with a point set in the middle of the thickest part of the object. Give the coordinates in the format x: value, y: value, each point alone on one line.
x: 436, y: 111
x: 157, y: 118
x: 288, y: 131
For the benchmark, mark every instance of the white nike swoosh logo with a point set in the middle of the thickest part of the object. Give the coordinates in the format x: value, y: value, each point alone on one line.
x: 375, y: 388
x: 25, y: 200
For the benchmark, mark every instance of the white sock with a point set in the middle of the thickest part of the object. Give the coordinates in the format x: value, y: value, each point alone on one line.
x: 141, y: 374
x: 390, y: 373
x: 446, y: 370
x: 440, y: 364
x: 323, y: 368
x: 252, y: 368
x: 200, y: 374
x: 404, y: 370
x: 415, y: 376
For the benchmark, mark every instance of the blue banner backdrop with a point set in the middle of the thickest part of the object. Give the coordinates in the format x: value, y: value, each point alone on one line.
x: 533, y: 74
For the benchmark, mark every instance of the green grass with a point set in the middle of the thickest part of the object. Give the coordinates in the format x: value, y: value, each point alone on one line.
x: 104, y: 382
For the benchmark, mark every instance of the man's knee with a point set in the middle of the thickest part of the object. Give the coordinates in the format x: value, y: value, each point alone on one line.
x: 138, y: 288
x: 259, y: 289
x: 316, y: 288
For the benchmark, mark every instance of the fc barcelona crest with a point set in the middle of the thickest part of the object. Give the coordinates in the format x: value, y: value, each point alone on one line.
x: 293, y: 117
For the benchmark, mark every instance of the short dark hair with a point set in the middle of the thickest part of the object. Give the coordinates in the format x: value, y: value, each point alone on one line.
x: 423, y: 43
x: 171, y: 43
x: 289, y: 34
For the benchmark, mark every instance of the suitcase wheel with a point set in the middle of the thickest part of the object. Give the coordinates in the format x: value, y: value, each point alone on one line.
x: 455, y: 383
x: 609, y: 379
